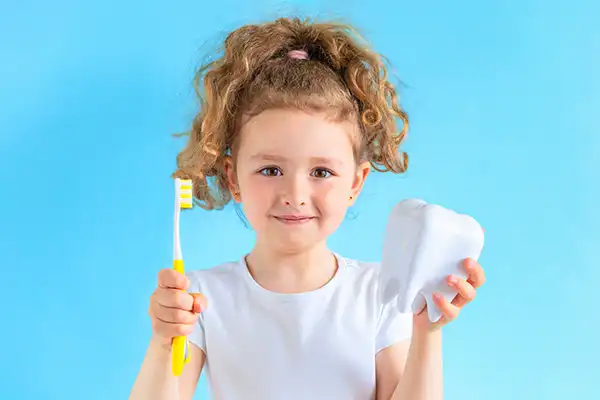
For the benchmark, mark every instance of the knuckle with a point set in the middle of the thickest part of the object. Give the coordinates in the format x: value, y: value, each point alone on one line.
x: 165, y: 314
x: 172, y: 275
x: 157, y: 315
x: 454, y: 312
x: 467, y: 290
x: 449, y: 311
x: 179, y: 299
x: 472, y: 294
x: 184, y: 281
x: 178, y: 316
x: 162, y: 275
x: 158, y: 298
x: 185, y: 317
x: 192, y: 318
x: 467, y: 293
x: 189, y: 317
x: 153, y: 306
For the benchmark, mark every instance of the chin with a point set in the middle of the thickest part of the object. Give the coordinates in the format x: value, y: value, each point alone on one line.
x: 295, y: 241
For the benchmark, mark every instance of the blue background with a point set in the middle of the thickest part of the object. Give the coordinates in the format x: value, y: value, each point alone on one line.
x: 505, y: 108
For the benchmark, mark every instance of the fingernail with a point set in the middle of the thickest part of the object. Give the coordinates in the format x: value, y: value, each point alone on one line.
x: 437, y: 296
x: 452, y: 280
x: 199, y: 302
x: 468, y: 263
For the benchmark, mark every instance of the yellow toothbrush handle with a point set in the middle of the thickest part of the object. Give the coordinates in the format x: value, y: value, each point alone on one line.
x: 180, y: 352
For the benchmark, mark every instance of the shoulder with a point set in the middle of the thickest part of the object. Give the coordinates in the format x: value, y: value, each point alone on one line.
x: 222, y: 275
x: 361, y: 278
x: 361, y: 266
x: 362, y: 271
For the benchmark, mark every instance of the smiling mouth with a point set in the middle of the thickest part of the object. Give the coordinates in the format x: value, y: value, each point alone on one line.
x: 293, y: 219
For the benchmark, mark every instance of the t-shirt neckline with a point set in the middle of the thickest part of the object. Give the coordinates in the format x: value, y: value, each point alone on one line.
x: 294, y: 297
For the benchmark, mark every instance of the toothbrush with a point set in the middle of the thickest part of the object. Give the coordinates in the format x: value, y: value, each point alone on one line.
x: 183, y: 199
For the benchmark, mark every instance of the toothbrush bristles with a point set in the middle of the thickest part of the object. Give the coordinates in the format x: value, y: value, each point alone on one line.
x: 185, y: 193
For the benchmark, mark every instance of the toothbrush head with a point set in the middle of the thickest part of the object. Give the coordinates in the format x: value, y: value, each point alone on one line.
x: 184, y: 193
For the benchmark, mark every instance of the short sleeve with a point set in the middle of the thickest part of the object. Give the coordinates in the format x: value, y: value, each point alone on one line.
x: 392, y: 327
x: 197, y: 336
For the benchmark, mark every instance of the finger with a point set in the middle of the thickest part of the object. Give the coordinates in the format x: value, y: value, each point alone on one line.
x: 174, y: 298
x: 200, y: 302
x: 466, y: 291
x: 449, y: 311
x: 169, y: 330
x: 174, y: 315
x: 169, y: 278
x: 475, y: 271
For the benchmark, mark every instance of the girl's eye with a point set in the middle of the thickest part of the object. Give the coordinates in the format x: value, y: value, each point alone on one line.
x: 322, y: 173
x: 270, y: 171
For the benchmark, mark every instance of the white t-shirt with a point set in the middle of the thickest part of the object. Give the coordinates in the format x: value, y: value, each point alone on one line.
x: 262, y: 345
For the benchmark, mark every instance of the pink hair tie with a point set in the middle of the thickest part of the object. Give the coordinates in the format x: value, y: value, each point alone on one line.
x: 298, y: 54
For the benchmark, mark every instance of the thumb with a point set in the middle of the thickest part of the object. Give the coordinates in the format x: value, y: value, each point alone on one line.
x: 200, y: 303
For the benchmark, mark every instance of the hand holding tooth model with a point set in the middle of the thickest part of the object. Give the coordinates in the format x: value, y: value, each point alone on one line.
x: 429, y: 265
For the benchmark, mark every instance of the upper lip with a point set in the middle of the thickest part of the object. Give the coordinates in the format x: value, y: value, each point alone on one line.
x: 293, y: 217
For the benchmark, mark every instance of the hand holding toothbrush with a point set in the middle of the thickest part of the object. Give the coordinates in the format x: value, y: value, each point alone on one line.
x: 174, y: 311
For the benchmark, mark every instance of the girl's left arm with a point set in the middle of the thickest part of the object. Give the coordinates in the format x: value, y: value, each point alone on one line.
x: 413, y: 370
x: 422, y: 375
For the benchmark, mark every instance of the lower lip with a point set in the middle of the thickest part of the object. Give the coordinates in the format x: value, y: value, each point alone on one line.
x: 294, y: 221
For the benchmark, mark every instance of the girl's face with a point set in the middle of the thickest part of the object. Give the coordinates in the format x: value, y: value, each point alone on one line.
x: 296, y: 176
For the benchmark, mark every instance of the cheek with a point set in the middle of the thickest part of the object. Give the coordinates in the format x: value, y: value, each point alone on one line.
x: 333, y: 196
x: 249, y: 185
x: 255, y: 194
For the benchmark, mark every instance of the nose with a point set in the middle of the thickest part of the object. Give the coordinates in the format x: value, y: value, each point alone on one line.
x: 295, y: 191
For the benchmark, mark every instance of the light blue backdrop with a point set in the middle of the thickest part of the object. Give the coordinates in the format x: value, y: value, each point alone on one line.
x: 505, y: 109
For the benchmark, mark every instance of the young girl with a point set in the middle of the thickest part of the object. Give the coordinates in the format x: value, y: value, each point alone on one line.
x: 294, y: 116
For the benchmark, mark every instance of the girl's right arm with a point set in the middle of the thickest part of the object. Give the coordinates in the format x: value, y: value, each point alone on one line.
x: 155, y: 380
x: 173, y: 313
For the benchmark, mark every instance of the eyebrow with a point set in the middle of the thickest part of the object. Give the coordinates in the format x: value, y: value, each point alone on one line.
x: 277, y: 158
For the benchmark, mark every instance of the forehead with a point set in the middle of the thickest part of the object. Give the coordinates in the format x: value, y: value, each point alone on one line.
x: 294, y: 134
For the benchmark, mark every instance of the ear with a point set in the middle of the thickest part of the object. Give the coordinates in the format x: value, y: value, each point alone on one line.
x: 362, y: 171
x: 232, y: 179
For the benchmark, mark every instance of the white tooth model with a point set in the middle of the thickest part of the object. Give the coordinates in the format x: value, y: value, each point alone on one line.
x: 424, y: 243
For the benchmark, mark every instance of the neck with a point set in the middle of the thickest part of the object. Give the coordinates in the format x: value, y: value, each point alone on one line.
x: 291, y: 271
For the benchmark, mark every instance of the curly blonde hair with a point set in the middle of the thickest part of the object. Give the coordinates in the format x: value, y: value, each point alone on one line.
x: 341, y: 76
